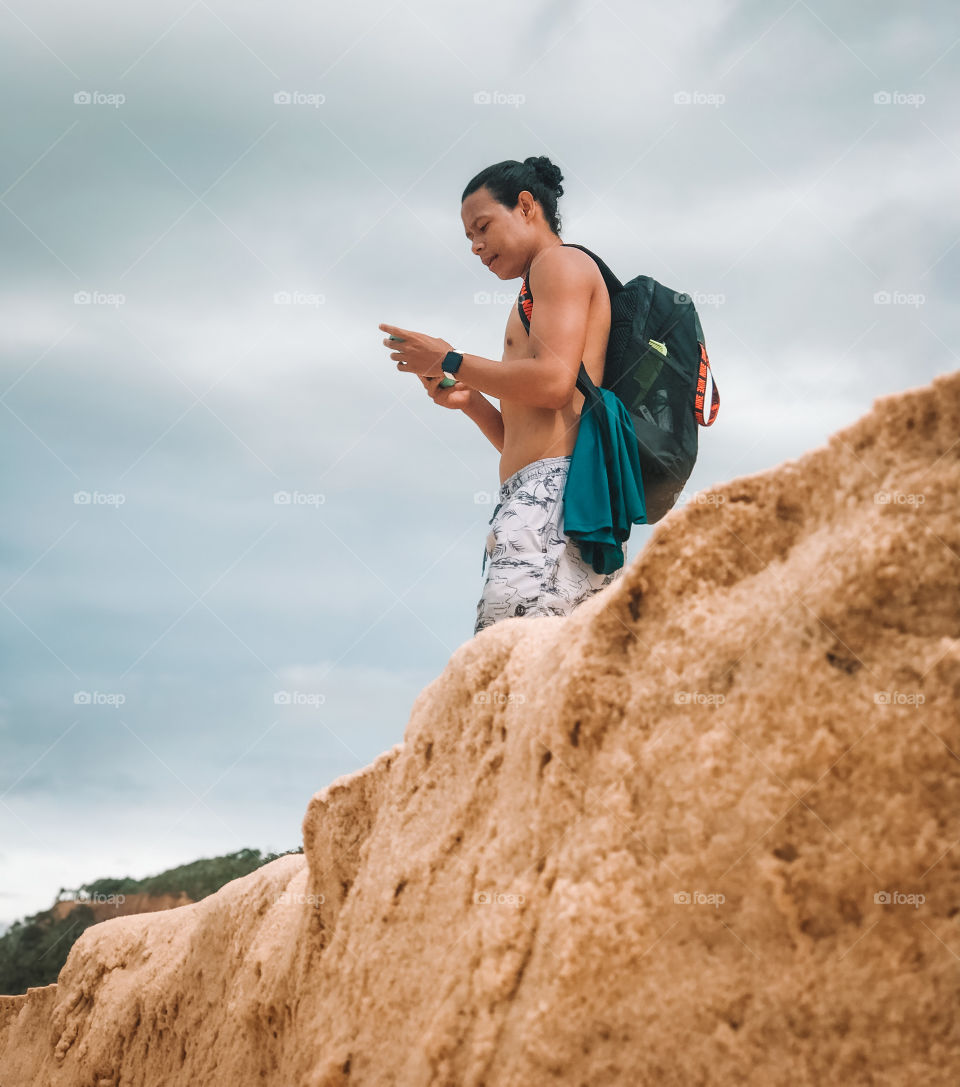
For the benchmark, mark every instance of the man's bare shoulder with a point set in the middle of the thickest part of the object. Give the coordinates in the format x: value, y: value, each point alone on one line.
x: 562, y: 266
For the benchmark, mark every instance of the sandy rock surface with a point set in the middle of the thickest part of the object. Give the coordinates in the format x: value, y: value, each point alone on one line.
x: 704, y: 831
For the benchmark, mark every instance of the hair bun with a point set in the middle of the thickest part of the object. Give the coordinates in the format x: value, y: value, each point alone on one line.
x: 546, y: 171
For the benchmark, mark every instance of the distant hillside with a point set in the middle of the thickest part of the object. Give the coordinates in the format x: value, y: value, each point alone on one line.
x: 33, y: 951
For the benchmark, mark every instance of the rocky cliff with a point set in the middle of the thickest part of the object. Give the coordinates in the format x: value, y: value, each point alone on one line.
x: 120, y: 905
x: 704, y: 831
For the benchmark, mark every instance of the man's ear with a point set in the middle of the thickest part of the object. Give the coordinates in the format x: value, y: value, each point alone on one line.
x: 526, y: 205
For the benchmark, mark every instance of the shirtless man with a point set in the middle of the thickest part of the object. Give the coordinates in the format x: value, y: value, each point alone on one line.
x: 509, y: 215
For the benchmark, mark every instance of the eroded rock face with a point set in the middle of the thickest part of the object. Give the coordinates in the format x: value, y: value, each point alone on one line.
x: 121, y: 905
x: 702, y: 831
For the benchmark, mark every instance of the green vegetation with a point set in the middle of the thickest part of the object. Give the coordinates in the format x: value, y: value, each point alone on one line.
x: 33, y: 951
x: 198, y: 878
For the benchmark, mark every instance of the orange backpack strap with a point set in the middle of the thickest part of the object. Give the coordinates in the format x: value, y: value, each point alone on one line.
x: 704, y: 380
x: 525, y: 305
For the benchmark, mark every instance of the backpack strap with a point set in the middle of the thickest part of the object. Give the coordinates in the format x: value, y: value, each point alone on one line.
x: 525, y: 305
x: 704, y: 377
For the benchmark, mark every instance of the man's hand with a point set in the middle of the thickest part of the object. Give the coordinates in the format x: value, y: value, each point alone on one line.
x: 453, y: 396
x: 418, y: 354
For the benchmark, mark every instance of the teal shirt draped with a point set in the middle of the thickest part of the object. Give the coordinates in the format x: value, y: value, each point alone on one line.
x: 603, y: 497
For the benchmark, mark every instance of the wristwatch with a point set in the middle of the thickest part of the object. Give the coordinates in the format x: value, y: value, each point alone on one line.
x: 451, y: 363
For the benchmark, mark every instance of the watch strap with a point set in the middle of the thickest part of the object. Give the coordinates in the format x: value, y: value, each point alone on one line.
x: 451, y: 362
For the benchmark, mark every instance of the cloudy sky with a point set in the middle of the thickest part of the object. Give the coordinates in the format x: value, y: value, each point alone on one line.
x: 171, y: 172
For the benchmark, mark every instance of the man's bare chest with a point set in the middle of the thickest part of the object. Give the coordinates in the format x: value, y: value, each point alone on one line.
x: 516, y: 342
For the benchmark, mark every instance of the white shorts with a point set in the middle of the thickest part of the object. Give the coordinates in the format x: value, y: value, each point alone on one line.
x: 534, y: 568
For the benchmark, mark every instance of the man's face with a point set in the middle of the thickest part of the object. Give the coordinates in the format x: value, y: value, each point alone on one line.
x: 494, y: 232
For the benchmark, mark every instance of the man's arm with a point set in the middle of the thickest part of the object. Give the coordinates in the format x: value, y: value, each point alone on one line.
x: 558, y: 335
x: 487, y: 418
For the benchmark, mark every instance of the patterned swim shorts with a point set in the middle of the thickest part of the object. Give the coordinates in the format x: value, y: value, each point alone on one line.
x: 534, y: 568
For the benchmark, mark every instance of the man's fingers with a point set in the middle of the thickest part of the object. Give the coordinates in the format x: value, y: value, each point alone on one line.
x: 433, y: 387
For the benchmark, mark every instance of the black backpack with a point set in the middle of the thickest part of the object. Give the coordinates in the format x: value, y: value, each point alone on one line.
x: 657, y: 364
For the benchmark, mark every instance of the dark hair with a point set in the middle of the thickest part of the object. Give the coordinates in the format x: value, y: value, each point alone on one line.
x: 506, y: 180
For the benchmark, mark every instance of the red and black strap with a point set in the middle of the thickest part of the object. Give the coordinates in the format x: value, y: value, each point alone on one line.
x: 705, y: 374
x: 525, y: 305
